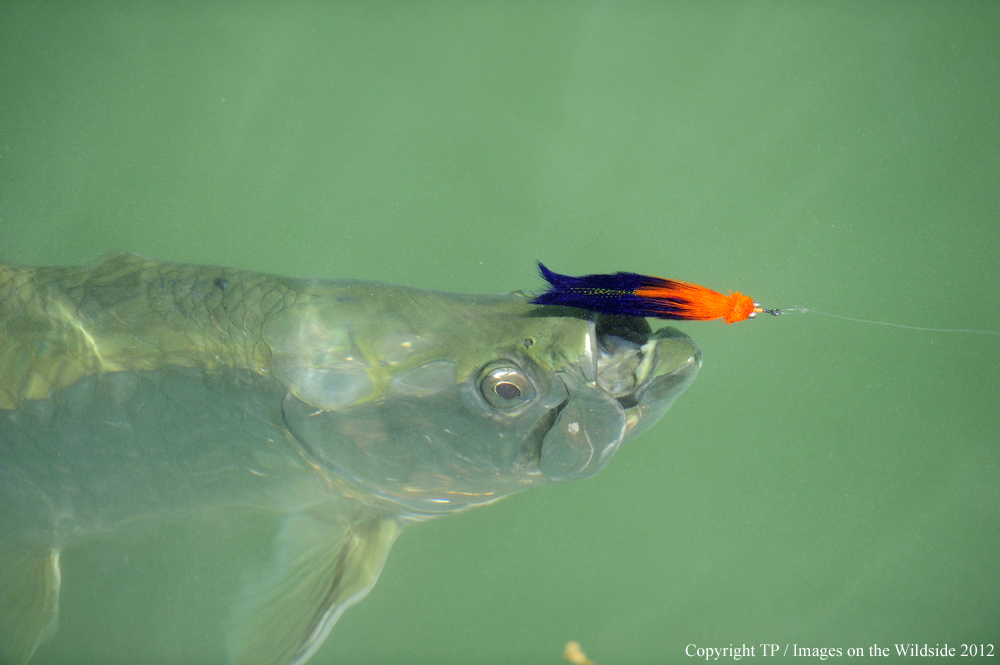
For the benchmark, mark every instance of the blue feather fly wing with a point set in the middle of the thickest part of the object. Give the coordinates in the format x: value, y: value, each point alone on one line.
x: 608, y: 294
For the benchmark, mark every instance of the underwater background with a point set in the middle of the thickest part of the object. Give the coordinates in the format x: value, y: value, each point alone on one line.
x: 824, y: 482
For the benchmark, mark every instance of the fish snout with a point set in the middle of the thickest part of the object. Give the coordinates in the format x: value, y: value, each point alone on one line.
x: 676, y: 360
x: 637, y: 381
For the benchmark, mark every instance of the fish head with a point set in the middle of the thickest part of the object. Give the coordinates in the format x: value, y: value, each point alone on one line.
x: 438, y: 402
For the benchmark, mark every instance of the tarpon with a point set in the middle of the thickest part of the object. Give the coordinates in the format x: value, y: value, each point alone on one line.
x: 131, y: 390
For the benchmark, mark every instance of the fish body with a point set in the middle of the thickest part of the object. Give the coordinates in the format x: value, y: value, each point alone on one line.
x: 134, y: 391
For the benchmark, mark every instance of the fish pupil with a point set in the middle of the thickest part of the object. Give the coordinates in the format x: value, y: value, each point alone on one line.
x: 506, y: 390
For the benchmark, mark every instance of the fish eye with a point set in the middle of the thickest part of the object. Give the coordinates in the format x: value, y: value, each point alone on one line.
x: 505, y: 387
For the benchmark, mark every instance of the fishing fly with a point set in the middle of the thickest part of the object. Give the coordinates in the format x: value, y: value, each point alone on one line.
x: 631, y: 294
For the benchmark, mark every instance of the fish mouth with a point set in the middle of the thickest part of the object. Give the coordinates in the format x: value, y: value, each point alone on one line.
x: 631, y: 358
x: 624, y: 383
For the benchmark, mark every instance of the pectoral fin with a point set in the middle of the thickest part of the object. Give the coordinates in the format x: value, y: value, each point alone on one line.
x: 29, y: 601
x: 319, y: 569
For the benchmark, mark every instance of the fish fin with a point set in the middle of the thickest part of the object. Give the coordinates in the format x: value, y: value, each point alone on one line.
x: 319, y: 569
x: 29, y: 601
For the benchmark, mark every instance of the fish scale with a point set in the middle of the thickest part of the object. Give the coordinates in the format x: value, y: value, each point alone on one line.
x: 135, y: 314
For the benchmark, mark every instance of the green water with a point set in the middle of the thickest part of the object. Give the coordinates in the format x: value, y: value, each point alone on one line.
x: 823, y: 483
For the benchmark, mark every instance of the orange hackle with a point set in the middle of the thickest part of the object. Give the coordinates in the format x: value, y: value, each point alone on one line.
x: 699, y: 303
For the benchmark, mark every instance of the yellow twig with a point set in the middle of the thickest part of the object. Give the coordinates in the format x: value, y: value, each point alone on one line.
x: 574, y: 654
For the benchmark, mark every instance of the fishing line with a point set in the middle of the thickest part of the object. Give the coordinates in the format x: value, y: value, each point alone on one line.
x: 804, y: 310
